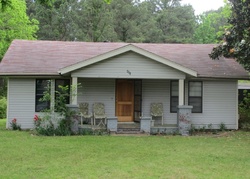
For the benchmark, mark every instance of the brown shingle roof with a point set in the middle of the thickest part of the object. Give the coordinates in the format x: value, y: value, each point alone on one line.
x: 48, y: 57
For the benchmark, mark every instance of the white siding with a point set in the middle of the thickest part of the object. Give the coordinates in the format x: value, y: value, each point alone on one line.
x: 98, y: 90
x: 129, y: 65
x: 21, y: 102
x: 219, y: 100
x: 157, y: 91
x: 103, y: 90
x: 219, y: 104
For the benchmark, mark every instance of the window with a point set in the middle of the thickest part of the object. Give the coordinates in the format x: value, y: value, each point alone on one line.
x: 41, y: 86
x: 195, y: 96
x: 174, y: 96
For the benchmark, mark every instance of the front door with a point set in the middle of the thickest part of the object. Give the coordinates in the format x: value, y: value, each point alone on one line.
x: 125, y: 100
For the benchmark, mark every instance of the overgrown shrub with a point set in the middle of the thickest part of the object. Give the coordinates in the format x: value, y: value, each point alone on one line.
x: 3, y: 107
x: 52, y: 123
x: 244, y: 111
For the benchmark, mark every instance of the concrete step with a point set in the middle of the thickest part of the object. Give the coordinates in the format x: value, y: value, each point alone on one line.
x: 128, y: 128
x: 128, y: 125
x: 128, y: 131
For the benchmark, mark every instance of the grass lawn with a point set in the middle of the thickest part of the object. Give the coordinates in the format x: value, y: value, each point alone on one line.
x: 23, y: 155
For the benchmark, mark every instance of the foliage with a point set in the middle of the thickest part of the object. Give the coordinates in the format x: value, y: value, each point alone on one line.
x: 3, y: 86
x: 48, y: 128
x: 207, y: 129
x: 210, y: 25
x: 244, y: 111
x: 4, y: 4
x: 3, y: 107
x: 15, y: 24
x: 50, y: 2
x: 46, y: 2
x: 124, y: 20
x: 14, y: 124
x: 176, y: 22
x: 236, y: 38
x: 57, y: 120
x: 222, y: 126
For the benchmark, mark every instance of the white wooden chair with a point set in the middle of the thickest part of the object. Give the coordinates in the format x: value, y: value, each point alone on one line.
x: 156, y: 110
x: 84, y: 112
x: 99, y: 113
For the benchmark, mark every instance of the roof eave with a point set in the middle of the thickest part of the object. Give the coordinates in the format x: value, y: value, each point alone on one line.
x: 29, y: 74
x: 226, y: 77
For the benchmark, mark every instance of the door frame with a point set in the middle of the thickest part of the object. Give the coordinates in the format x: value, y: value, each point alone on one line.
x: 123, y: 103
x: 135, y: 111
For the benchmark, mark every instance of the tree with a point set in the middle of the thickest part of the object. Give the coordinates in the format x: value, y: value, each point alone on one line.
x: 157, y: 21
x: 210, y: 25
x: 4, y: 4
x: 72, y: 20
x: 147, y: 24
x: 125, y: 20
x: 93, y: 21
x: 15, y: 24
x: 176, y: 22
x: 7, y: 3
x: 55, y: 21
x: 235, y: 41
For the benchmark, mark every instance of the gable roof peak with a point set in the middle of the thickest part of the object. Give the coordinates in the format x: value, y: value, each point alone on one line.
x: 124, y: 49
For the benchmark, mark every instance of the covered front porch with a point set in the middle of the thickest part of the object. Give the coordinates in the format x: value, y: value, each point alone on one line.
x: 127, y: 81
x: 127, y: 102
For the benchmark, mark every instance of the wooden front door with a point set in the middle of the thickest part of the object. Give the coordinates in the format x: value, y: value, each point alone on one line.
x: 125, y: 100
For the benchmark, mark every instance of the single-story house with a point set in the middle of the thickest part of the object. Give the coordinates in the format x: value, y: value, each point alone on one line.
x: 126, y: 77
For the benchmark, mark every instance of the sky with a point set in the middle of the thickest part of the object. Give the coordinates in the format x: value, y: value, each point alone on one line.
x: 204, y: 5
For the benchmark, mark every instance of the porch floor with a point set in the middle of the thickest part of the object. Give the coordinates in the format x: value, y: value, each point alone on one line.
x: 134, y: 128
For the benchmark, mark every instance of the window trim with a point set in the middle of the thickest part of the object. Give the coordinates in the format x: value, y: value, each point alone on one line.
x: 53, y: 87
x: 198, y: 97
x: 172, y: 97
x: 36, y: 95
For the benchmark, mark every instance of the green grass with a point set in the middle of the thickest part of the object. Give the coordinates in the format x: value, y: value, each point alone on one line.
x: 23, y: 155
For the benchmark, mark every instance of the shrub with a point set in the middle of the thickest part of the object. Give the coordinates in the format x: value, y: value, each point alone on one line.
x: 3, y: 107
x: 222, y: 126
x: 244, y: 111
x: 59, y: 123
x: 14, y: 125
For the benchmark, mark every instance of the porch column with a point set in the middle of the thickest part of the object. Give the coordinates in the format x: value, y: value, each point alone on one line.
x: 74, y: 91
x: 52, y: 93
x: 181, y: 92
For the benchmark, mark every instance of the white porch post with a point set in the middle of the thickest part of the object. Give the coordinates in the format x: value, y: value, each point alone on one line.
x: 181, y: 92
x: 52, y: 93
x: 74, y: 91
x: 183, y: 112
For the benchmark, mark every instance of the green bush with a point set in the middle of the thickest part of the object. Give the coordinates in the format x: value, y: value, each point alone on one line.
x: 49, y: 124
x: 244, y: 111
x: 14, y: 125
x: 3, y: 107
